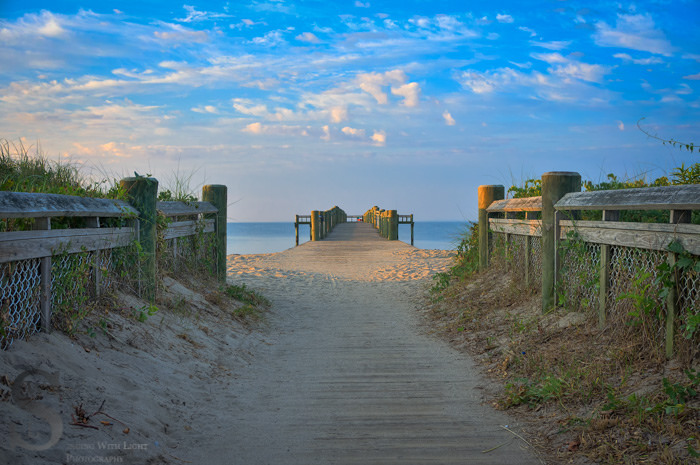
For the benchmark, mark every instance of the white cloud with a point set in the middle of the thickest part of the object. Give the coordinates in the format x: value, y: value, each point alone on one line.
x: 620, y: 125
x: 639, y: 61
x: 308, y: 37
x: 206, y: 109
x: 528, y: 30
x: 504, y: 18
x: 270, y: 39
x: 636, y: 32
x: 51, y: 28
x: 550, y: 58
x: 326, y: 133
x: 692, y: 77
x: 339, y: 114
x: 552, y: 45
x: 177, y: 33
x: 583, y: 71
x: 193, y: 15
x: 254, y: 128
x: 379, y: 138
x: 449, y: 120
x: 347, y: 130
x: 374, y: 84
x: 410, y: 92
x: 359, y: 4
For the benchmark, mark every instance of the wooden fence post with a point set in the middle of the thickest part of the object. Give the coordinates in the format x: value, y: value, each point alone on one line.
x: 393, y: 223
x: 604, y: 273
x: 315, y: 225
x: 142, y: 193
x: 487, y: 195
x: 296, y: 229
x: 217, y: 195
x: 554, y: 185
x: 411, y: 228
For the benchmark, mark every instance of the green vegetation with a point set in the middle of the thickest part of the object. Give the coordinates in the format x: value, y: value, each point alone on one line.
x: 245, y: 295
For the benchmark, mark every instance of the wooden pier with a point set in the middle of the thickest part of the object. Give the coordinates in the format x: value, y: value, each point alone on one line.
x: 322, y: 223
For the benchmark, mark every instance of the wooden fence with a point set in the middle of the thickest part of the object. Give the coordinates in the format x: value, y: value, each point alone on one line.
x: 537, y: 235
x: 34, y: 263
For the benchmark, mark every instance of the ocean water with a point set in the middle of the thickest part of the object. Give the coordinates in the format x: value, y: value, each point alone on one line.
x: 252, y: 238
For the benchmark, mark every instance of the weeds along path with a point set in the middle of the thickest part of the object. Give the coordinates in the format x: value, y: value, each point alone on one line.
x: 347, y: 375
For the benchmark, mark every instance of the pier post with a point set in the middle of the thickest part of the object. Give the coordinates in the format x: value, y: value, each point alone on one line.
x: 393, y: 225
x: 315, y: 225
x: 412, y: 228
x: 142, y: 193
x: 555, y: 185
x: 487, y: 195
x: 296, y: 229
x: 217, y: 195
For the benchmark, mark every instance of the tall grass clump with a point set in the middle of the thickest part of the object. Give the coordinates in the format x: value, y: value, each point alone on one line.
x: 28, y: 169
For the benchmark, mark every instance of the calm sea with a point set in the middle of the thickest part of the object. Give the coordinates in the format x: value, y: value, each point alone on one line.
x: 251, y: 238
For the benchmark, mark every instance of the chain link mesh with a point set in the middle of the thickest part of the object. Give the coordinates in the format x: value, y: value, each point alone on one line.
x: 20, y: 311
x: 580, y: 276
x: 631, y: 270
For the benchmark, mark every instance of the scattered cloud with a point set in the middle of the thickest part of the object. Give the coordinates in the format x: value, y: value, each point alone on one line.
x: 308, y: 37
x: 410, y: 92
x: 373, y: 83
x: 206, y: 109
x: 504, y: 18
x: 449, y: 120
x: 359, y: 4
x: 379, y: 138
x: 635, y: 32
x: 692, y: 77
x: 178, y: 33
x: 353, y: 132
x: 194, y: 16
x: 620, y: 125
x: 552, y: 45
x: 638, y: 61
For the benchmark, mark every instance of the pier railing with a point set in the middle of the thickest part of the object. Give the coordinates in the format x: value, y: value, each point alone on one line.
x: 597, y: 265
x: 387, y: 222
x: 321, y: 223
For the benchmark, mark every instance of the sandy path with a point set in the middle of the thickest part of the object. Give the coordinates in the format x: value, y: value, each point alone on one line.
x: 347, y: 374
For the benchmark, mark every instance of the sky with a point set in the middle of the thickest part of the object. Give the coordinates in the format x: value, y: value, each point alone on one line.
x: 300, y: 105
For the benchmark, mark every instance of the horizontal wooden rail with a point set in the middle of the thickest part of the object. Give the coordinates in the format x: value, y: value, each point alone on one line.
x: 686, y: 197
x: 650, y: 236
x: 188, y: 228
x: 169, y: 209
x: 23, y: 245
x: 35, y: 205
x: 520, y: 227
x: 529, y: 204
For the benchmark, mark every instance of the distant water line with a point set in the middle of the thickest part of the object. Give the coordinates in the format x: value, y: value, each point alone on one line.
x: 257, y: 238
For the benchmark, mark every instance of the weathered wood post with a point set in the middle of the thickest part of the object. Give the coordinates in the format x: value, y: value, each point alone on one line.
x: 604, y: 281
x: 412, y: 228
x: 142, y: 193
x: 487, y: 195
x: 393, y: 225
x: 217, y: 195
x: 315, y: 225
x: 296, y: 229
x: 554, y: 185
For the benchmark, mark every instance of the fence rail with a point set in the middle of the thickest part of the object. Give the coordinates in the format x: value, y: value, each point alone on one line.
x: 36, y: 264
x: 613, y: 253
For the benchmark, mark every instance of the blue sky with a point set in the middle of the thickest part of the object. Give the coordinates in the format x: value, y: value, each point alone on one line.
x: 304, y: 104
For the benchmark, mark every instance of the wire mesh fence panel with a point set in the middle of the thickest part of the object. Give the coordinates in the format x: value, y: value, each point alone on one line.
x: 20, y: 306
x: 689, y: 310
x: 72, y: 286
x: 536, y: 262
x: 633, y: 295
x: 189, y: 253
x: 579, y: 283
x: 518, y: 250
